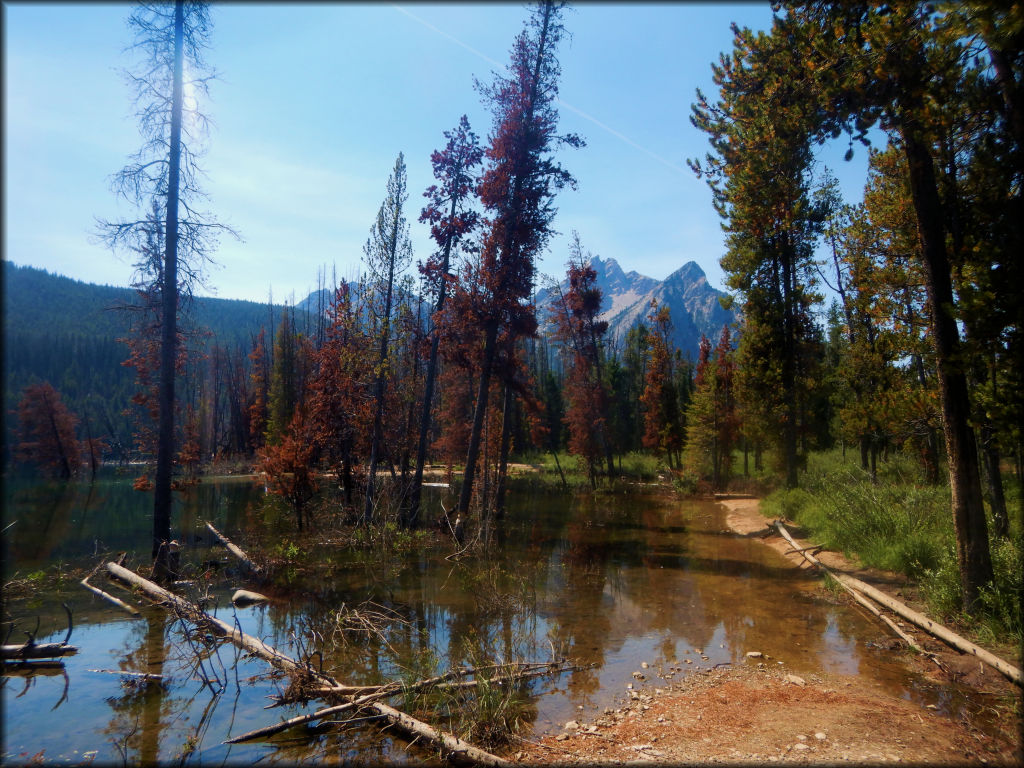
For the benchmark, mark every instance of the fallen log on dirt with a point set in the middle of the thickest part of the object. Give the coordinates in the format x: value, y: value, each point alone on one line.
x: 234, y: 549
x: 32, y: 650
x: 451, y: 746
x: 808, y: 554
x: 933, y: 628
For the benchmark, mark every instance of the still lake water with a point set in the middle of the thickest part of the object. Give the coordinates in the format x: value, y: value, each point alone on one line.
x: 608, y: 581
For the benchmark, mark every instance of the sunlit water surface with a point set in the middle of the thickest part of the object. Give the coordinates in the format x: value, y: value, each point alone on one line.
x: 610, y: 582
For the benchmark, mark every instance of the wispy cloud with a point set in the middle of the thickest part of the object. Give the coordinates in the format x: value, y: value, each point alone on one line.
x: 575, y: 110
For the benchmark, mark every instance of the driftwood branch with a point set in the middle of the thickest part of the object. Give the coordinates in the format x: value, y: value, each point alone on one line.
x: 234, y: 549
x: 32, y: 650
x: 124, y: 673
x: 198, y: 616
x: 452, y: 746
x: 110, y: 598
x: 936, y: 630
x: 513, y: 673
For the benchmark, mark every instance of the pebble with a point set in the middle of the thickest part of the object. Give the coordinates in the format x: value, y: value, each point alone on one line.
x: 802, y: 737
x: 644, y: 665
x: 572, y: 725
x: 796, y: 680
x: 820, y: 736
x: 754, y: 654
x: 800, y: 746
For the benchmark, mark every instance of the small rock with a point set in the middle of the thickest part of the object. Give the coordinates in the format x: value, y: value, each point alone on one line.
x: 802, y: 737
x: 820, y: 736
x: 754, y: 654
x: 800, y: 746
x: 795, y: 680
x: 562, y: 737
x: 572, y: 725
x: 629, y: 686
x: 243, y: 597
x: 639, y: 675
x: 644, y: 665
x: 689, y: 661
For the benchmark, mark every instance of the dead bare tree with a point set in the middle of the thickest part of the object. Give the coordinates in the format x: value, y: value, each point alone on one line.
x: 173, y: 240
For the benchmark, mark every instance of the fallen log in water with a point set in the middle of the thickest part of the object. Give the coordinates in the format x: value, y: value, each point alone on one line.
x: 451, y: 746
x: 32, y: 650
x: 195, y: 614
x: 32, y: 667
x: 110, y: 598
x: 234, y: 549
x: 449, y: 681
x: 933, y: 628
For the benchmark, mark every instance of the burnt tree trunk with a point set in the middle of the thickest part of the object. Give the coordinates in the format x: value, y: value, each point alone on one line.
x: 162, y: 497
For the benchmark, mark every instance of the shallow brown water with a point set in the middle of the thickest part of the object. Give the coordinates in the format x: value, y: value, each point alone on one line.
x: 609, y: 581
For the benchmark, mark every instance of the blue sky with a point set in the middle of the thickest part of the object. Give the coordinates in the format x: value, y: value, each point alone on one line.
x: 313, y: 104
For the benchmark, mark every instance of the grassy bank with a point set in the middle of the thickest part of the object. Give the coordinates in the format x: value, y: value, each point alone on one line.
x: 904, y: 525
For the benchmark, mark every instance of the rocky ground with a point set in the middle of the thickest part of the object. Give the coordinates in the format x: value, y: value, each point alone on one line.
x: 758, y: 712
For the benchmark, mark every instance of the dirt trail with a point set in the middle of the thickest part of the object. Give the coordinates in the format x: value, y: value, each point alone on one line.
x: 758, y: 713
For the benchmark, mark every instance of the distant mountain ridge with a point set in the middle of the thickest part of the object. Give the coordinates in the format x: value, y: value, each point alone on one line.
x: 695, y: 305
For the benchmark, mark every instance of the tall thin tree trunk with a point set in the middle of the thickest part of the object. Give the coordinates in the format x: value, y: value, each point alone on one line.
x: 163, y: 498
x: 412, y: 518
x: 965, y: 482
x: 506, y: 441
x: 789, y: 364
x: 472, y: 454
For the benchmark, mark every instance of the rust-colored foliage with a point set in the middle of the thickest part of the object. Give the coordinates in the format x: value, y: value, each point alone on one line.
x: 663, y: 430
x: 259, y: 382
x: 189, y: 455
x: 577, y: 327
x: 339, y: 398
x: 46, y: 432
x: 289, y: 465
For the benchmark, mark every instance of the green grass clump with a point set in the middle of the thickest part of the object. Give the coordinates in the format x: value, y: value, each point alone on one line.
x: 901, y: 524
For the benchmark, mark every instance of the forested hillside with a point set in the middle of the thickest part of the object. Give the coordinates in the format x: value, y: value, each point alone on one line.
x: 68, y: 332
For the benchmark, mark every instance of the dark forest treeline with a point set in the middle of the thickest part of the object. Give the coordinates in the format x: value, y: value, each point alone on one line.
x: 68, y: 333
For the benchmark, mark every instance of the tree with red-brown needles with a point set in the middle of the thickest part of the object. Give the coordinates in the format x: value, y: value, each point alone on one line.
x: 46, y: 432
x: 451, y: 221
x: 289, y: 464
x: 340, y: 390
x: 259, y: 388
x: 517, y: 191
x: 577, y: 327
x: 663, y: 426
